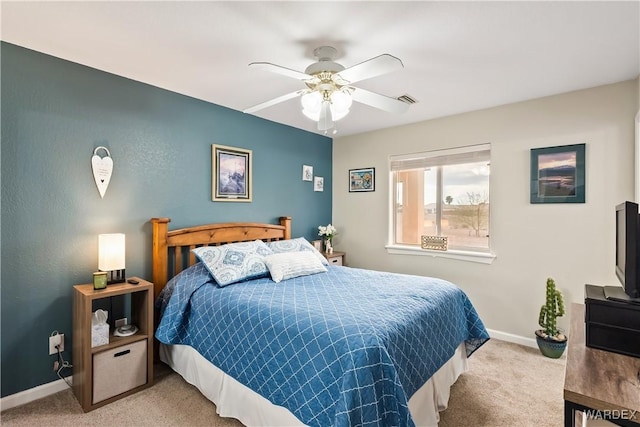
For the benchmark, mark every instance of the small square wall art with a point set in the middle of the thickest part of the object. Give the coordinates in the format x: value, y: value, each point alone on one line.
x: 558, y: 174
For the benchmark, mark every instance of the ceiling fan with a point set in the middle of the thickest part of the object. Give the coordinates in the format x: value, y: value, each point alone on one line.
x: 329, y: 93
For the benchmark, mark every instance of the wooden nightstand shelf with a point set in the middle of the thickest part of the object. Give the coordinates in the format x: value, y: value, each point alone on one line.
x: 122, y: 367
x: 336, y: 258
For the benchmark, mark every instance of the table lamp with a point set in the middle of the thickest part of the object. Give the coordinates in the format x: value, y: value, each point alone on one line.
x: 111, y: 256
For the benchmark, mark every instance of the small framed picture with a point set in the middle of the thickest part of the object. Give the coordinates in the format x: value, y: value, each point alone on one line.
x: 362, y: 180
x: 230, y: 174
x: 436, y: 243
x: 558, y: 174
x: 318, y: 183
x: 307, y: 173
x: 317, y: 244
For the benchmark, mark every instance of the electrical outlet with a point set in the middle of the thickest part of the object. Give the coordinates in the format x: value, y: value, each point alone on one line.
x: 121, y: 322
x: 56, y: 340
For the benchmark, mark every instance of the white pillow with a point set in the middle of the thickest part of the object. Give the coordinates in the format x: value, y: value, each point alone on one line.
x: 287, y: 265
x: 299, y: 244
x: 234, y: 262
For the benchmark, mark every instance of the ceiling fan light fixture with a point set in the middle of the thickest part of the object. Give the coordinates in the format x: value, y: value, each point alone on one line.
x: 315, y: 114
x: 339, y: 115
x: 341, y: 101
x: 337, y: 105
x: 329, y: 93
x: 311, y: 102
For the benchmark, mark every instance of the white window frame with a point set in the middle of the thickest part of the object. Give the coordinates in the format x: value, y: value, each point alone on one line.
x: 421, y: 160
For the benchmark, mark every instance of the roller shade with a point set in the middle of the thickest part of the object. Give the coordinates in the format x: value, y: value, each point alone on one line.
x: 428, y: 159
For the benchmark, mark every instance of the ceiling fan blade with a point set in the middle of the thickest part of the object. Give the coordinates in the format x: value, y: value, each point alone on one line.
x: 381, y: 102
x: 373, y: 67
x: 275, y: 101
x: 267, y: 66
x: 325, y: 122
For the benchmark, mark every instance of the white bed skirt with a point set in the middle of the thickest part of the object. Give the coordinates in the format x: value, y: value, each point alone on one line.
x: 232, y: 399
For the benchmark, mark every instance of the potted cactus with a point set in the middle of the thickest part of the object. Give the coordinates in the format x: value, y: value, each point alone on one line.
x: 551, y: 341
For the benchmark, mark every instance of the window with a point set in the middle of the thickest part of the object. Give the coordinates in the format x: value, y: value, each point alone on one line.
x: 442, y: 193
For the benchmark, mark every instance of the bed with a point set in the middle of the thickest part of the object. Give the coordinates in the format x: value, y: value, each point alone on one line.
x: 341, y: 346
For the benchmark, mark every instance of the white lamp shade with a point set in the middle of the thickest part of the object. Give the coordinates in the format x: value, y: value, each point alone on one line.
x: 312, y: 104
x: 341, y: 101
x: 337, y: 115
x: 111, y: 252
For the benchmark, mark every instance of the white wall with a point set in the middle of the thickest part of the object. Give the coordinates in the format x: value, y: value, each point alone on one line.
x: 573, y: 243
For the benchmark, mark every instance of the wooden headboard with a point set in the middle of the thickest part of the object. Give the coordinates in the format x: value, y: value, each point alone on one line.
x: 172, y: 249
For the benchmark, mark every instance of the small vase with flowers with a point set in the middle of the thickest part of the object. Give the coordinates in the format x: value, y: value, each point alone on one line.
x: 327, y: 232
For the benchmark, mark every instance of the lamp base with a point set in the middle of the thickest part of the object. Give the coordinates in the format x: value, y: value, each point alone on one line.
x: 116, y: 276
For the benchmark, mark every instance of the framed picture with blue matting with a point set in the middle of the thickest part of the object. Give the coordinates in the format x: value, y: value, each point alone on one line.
x: 558, y: 174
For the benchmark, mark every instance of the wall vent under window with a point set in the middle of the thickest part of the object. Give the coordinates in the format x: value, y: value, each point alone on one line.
x: 406, y: 99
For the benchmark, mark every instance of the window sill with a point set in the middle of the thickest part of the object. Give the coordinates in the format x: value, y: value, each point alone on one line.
x: 479, y: 257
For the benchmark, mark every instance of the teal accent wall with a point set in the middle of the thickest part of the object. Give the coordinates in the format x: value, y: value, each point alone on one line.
x: 54, y: 114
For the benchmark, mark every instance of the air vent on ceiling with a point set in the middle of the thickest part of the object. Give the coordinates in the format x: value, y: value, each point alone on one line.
x: 406, y: 99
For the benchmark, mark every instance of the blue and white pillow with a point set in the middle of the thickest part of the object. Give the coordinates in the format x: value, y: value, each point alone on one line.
x: 299, y: 244
x: 235, y: 262
x: 287, y: 265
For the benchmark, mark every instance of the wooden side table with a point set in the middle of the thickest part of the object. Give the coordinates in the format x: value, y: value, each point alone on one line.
x: 598, y: 381
x: 335, y: 258
x: 124, y: 365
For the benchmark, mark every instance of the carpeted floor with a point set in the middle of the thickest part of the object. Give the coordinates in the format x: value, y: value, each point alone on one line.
x: 506, y: 385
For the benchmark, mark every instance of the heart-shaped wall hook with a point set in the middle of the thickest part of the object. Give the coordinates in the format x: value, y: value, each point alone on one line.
x: 102, y: 168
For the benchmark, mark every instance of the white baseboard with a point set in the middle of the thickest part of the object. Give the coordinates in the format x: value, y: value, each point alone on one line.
x: 34, y: 393
x: 516, y: 339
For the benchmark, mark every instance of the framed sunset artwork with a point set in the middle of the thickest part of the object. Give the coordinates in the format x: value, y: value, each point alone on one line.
x: 558, y: 174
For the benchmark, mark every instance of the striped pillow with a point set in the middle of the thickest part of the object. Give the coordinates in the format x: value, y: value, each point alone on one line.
x: 287, y: 265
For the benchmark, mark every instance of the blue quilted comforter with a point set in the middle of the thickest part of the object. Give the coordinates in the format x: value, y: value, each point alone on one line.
x: 343, y: 348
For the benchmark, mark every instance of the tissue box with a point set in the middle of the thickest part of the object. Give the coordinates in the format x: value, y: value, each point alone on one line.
x: 99, y: 335
x: 99, y: 328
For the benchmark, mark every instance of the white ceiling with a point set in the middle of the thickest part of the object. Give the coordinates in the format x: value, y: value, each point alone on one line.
x: 458, y: 56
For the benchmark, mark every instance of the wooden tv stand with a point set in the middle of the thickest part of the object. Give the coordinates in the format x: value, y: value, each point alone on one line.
x: 599, y: 381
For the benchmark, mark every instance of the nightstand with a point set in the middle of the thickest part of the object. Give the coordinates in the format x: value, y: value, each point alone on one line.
x: 124, y: 365
x: 336, y: 258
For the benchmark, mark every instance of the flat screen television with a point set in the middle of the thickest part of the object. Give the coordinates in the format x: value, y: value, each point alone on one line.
x: 627, y: 254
